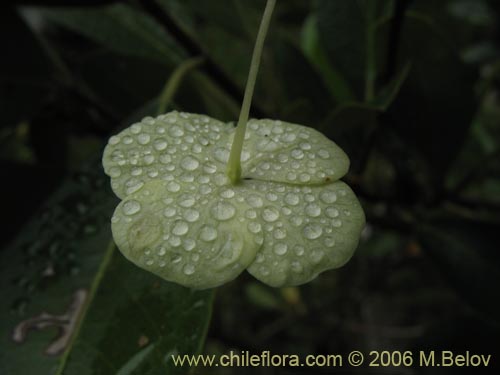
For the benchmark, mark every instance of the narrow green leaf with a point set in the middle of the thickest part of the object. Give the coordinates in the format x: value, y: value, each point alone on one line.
x: 313, y: 49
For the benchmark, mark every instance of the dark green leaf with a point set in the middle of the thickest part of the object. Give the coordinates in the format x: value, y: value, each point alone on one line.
x: 313, y: 49
x: 437, y: 100
x: 121, y: 29
x: 57, y: 271
x: 25, y: 70
x: 467, y: 253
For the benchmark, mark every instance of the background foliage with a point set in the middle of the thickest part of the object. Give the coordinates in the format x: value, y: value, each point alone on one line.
x: 410, y: 89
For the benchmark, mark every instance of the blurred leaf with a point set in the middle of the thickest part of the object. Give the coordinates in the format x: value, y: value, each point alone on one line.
x: 347, y: 30
x: 467, y: 253
x: 262, y: 296
x: 121, y: 29
x: 316, y: 54
x: 437, y: 100
x: 25, y: 71
x: 350, y: 126
x: 121, y: 83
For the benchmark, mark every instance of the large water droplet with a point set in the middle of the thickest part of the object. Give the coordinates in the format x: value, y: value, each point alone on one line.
x: 221, y: 155
x: 323, y: 154
x: 186, y: 201
x: 190, y: 163
x: 297, y: 154
x: 280, y: 248
x: 208, y: 233
x: 227, y: 193
x: 296, y: 267
x: 169, y: 212
x: 133, y: 186
x: 173, y: 187
x: 255, y: 201
x: 189, y: 244
x: 143, y: 138
x: 328, y: 196
x: 176, y: 131
x: 332, y: 212
x: 270, y: 214
x: 313, y: 210
x: 160, y: 144
x: 254, y: 227
x: 131, y: 207
x: 279, y: 233
x: 317, y: 255
x: 299, y: 250
x: 312, y: 231
x: 329, y: 241
x: 223, y: 211
x: 115, y: 172
x: 188, y: 269
x: 191, y: 215
x: 180, y: 228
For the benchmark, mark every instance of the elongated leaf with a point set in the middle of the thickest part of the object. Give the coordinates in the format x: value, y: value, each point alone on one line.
x: 313, y: 49
x: 73, y: 308
x: 437, y: 100
x: 120, y: 28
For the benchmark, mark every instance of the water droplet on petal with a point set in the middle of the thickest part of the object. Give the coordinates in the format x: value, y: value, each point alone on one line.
x: 292, y: 199
x: 227, y: 193
x: 186, y: 201
x: 270, y: 214
x: 313, y: 210
x: 296, y: 267
x: 280, y: 248
x: 208, y: 233
x: 328, y: 196
x: 297, y: 154
x: 133, y: 186
x: 176, y: 131
x: 189, y: 244
x: 189, y: 163
x: 223, y: 211
x: 143, y: 138
x: 131, y: 207
x: 329, y: 242
x: 180, y: 228
x: 332, y: 212
x: 160, y: 144
x: 317, y: 255
x: 323, y: 154
x: 299, y: 250
x: 312, y: 231
x: 191, y: 215
x: 255, y: 201
x: 169, y: 212
x: 188, y: 269
x: 254, y: 227
x: 173, y: 187
x: 115, y: 172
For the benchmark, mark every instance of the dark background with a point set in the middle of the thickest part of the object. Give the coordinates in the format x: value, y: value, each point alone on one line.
x: 409, y: 89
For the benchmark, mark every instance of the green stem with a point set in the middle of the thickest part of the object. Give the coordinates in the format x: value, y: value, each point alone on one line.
x: 234, y: 163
